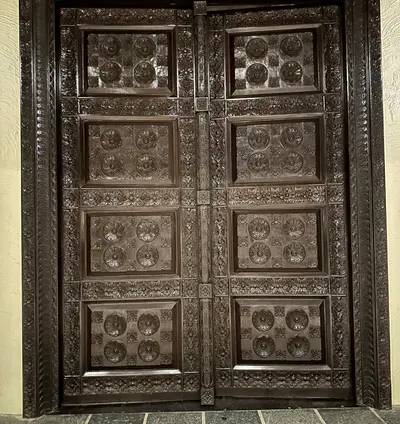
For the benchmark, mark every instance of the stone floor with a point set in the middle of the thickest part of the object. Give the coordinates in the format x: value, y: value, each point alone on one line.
x: 287, y: 416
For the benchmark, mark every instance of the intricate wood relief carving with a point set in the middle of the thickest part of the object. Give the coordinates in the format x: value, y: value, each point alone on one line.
x: 40, y: 193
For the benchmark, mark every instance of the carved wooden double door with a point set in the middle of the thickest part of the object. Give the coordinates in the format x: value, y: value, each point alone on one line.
x: 204, y: 235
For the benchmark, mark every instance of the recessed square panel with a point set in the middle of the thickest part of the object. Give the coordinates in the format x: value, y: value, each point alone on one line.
x: 280, y: 330
x: 140, y: 243
x: 132, y: 335
x: 263, y: 63
x: 281, y: 241
x: 131, y: 152
x: 280, y: 150
x: 128, y: 63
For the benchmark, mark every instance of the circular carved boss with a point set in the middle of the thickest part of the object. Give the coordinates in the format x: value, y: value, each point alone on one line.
x: 115, y: 325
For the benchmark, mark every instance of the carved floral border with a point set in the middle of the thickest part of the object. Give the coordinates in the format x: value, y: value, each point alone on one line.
x: 40, y: 199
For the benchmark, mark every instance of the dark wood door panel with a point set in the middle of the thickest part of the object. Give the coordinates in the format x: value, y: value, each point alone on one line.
x: 279, y: 217
x: 129, y: 212
x: 192, y: 205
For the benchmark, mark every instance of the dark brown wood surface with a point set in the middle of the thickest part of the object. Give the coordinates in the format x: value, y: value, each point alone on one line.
x: 201, y: 213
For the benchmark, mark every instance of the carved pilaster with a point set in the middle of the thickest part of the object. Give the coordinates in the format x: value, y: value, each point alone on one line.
x: 203, y: 201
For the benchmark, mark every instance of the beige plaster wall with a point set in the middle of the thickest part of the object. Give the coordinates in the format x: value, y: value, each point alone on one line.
x: 10, y: 235
x: 391, y: 91
x: 10, y: 199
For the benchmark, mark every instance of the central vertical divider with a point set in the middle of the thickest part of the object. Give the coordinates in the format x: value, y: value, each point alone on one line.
x: 203, y: 202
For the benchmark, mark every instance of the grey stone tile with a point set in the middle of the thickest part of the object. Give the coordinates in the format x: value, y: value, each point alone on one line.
x: 390, y: 417
x: 13, y: 419
x: 349, y: 416
x: 175, y: 418
x: 120, y: 418
x: 233, y: 417
x: 292, y: 416
x: 62, y: 419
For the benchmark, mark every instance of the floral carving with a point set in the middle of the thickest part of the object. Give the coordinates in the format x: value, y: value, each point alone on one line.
x: 146, y: 165
x: 110, y: 139
x: 110, y: 46
x: 148, y: 350
x: 291, y: 46
x: 259, y: 229
x: 258, y: 138
x: 114, y: 257
x: 144, y: 73
x: 144, y: 47
x: 148, y: 324
x: 263, y: 319
x: 291, y: 72
x: 297, y: 319
x: 259, y: 253
x: 256, y: 48
x: 111, y: 166
x: 147, y: 256
x: 147, y: 230
x: 115, y: 325
x: 291, y: 137
x: 257, y: 74
x: 292, y: 162
x: 113, y: 231
x: 258, y: 163
x: 294, y: 228
x: 110, y: 72
x: 115, y: 351
x: 294, y: 253
x: 298, y: 346
x: 146, y: 140
x: 263, y: 346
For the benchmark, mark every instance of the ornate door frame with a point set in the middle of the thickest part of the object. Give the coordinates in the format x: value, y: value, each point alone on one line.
x: 40, y: 199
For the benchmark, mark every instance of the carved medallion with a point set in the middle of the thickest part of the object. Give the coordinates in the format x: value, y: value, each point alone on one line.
x: 146, y: 165
x: 263, y: 346
x: 148, y: 350
x: 115, y: 351
x: 294, y: 228
x: 258, y: 138
x: 147, y: 230
x: 111, y: 166
x: 258, y: 163
x: 148, y: 324
x: 294, y: 253
x: 262, y: 319
x: 296, y: 319
x: 144, y: 73
x: 298, y: 346
x: 110, y: 72
x: 291, y: 137
x: 291, y: 46
x: 259, y: 229
x: 110, y: 139
x: 292, y: 162
x: 257, y: 74
x: 147, y: 256
x: 114, y: 257
x: 146, y: 140
x: 256, y: 48
x: 259, y: 253
x: 110, y: 46
x: 291, y: 72
x: 115, y: 325
x: 113, y: 231
x: 144, y: 47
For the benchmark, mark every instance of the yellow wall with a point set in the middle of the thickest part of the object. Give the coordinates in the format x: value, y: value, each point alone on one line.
x: 10, y: 199
x: 10, y: 235
x: 391, y: 92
